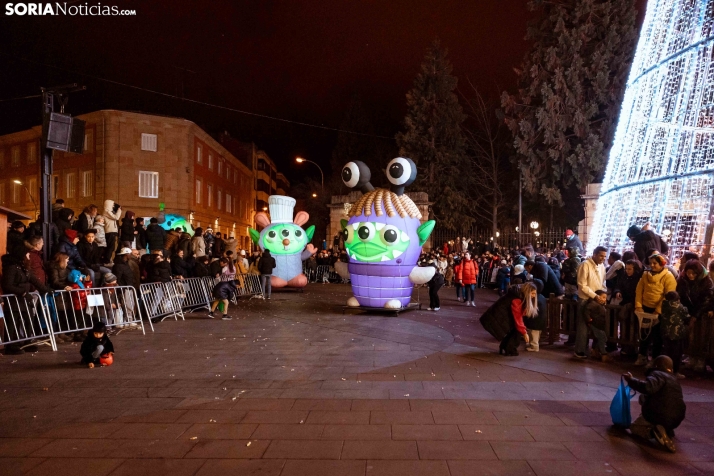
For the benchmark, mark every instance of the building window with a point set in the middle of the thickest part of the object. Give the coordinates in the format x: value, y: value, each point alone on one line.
x: 3, y: 197
x: 229, y: 204
x: 198, y: 191
x: 210, y: 161
x: 148, y: 142
x: 86, y: 189
x: 220, y: 167
x: 32, y: 188
x: 15, y: 156
x: 148, y: 184
x: 209, y: 189
x: 220, y: 199
x: 89, y: 140
x: 199, y: 154
x: 16, y: 192
x: 70, y: 183
x: 32, y: 153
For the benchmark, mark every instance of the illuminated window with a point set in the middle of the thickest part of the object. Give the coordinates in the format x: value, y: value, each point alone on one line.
x: 209, y: 189
x: 148, y: 142
x: 198, y: 191
x: 86, y: 189
x: 70, y: 183
x: 199, y: 154
x: 220, y: 167
x: 210, y: 161
x: 148, y: 184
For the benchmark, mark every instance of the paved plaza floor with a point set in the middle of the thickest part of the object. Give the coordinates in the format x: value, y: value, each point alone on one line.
x: 294, y: 387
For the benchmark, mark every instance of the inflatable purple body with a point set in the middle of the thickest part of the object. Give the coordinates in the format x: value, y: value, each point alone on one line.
x: 383, y: 238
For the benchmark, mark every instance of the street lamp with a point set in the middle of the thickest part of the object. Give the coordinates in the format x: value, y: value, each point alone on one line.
x: 28, y: 193
x: 534, y: 225
x: 314, y: 195
x: 300, y: 160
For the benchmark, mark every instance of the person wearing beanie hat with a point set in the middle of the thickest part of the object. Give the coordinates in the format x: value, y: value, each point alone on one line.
x: 15, y: 238
x: 572, y: 241
x: 662, y: 402
x: 96, y: 345
x: 68, y: 244
x: 64, y: 220
x: 127, y: 232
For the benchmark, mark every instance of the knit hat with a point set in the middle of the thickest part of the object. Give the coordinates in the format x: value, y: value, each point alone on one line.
x: 569, y: 233
x: 130, y: 214
x: 17, y: 224
x: 71, y: 234
x: 109, y: 278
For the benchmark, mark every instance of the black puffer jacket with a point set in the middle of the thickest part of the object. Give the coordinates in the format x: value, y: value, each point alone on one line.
x: 627, y: 286
x: 662, y: 400
x: 497, y: 319
x: 123, y: 272
x: 200, y: 270
x: 267, y: 263
x: 155, y: 236
x: 15, y: 243
x: 16, y: 279
x: 66, y: 246
x: 126, y: 231
x: 90, y: 254
x: 140, y: 237
x: 179, y: 267
x: 160, y: 272
x: 648, y: 240
x: 58, y: 277
x: 551, y: 283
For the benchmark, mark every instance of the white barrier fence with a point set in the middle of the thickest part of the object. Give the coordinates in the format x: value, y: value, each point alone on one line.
x: 39, y: 318
x: 78, y: 310
x: 25, y: 318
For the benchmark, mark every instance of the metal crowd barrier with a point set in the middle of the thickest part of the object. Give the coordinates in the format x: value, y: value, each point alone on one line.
x: 162, y: 300
x: 79, y: 309
x: 194, y: 295
x: 25, y: 318
x: 327, y: 274
x: 246, y: 284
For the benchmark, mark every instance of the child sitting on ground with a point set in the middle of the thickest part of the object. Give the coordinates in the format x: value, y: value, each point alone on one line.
x: 595, y: 314
x: 96, y: 345
x: 663, y: 407
x: 673, y: 323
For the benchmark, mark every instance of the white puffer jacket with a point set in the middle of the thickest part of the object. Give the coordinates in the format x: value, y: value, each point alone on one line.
x: 110, y: 217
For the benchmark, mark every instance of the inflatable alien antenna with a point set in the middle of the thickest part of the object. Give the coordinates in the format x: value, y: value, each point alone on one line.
x: 383, y: 237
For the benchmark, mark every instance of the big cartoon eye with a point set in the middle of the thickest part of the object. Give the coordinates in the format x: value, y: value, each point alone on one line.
x: 350, y: 174
x: 366, y: 231
x: 298, y: 233
x: 401, y: 171
x: 389, y: 235
x: 349, y: 234
x: 271, y: 235
x: 285, y: 233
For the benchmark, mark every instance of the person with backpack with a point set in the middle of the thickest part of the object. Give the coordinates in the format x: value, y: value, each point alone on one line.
x: 266, y: 265
x: 569, y: 274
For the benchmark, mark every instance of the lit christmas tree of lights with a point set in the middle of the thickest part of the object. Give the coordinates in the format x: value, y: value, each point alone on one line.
x: 661, y: 165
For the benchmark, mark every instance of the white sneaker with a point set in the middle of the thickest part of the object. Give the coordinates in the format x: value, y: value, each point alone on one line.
x: 473, y: 304
x: 437, y: 308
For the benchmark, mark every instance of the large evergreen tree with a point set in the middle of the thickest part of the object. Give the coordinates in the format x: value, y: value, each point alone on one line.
x: 569, y: 91
x: 434, y: 140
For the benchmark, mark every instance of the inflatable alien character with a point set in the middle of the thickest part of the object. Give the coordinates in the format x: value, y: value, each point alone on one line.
x: 383, y: 238
x: 286, y: 241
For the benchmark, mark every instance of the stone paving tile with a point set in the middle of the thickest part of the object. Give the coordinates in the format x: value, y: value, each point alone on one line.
x: 74, y: 466
x: 532, y: 419
x: 161, y: 416
x: 219, y: 431
x: 228, y: 449
x: 465, y: 418
x: 439, y: 405
x: 454, y: 450
x: 413, y: 418
x: 380, y: 450
x: 511, y: 450
x: 495, y: 433
x: 489, y: 468
x: 497, y: 406
x: 256, y: 416
x: 426, y: 432
x: 324, y: 468
x: 685, y: 452
x: 72, y: 448
x: 150, y: 431
x: 407, y: 468
x: 585, y: 419
x: 558, y: 433
x: 211, y: 416
x: 266, y: 404
x: 267, y: 431
x: 242, y: 467
x: 19, y: 466
x: 603, y: 450
x: 158, y: 467
x: 152, y: 448
x: 338, y: 418
x: 86, y: 430
x: 383, y: 405
x: 304, y: 449
x: 573, y: 468
x: 18, y: 447
x: 357, y: 432
x: 324, y: 405
x: 657, y: 468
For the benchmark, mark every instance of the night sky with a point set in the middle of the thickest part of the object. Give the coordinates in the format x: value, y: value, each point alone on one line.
x: 297, y: 60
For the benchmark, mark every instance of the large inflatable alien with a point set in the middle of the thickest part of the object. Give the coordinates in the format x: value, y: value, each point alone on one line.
x: 383, y: 237
x: 287, y: 242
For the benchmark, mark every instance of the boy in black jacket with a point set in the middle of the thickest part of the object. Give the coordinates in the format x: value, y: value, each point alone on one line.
x: 96, y: 345
x: 663, y: 407
x: 435, y: 283
x: 596, y: 317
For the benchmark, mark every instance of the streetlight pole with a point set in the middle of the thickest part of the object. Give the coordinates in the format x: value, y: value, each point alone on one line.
x: 300, y: 160
x: 28, y: 193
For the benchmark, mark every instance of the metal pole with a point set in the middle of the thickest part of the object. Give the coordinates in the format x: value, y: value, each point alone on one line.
x: 46, y: 174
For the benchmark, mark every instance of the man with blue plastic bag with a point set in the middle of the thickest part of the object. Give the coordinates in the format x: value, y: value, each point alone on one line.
x: 663, y: 407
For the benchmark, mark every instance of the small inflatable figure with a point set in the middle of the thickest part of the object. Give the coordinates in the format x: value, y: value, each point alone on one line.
x: 172, y: 221
x: 288, y: 243
x: 383, y: 238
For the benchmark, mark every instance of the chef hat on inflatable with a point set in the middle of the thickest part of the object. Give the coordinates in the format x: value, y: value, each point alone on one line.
x: 281, y: 208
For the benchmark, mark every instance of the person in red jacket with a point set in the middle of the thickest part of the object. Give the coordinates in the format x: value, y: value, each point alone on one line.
x: 524, y: 306
x: 467, y: 276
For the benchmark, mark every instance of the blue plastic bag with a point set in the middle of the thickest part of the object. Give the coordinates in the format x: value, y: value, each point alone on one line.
x: 620, y: 406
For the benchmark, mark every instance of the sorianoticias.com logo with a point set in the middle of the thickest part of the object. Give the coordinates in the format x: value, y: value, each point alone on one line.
x: 65, y: 9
